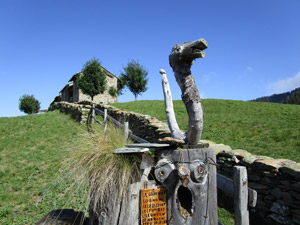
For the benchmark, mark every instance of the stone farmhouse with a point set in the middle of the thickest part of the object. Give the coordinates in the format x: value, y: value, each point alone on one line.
x: 72, y: 93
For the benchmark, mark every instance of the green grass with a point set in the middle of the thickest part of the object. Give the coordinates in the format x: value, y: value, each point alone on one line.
x: 32, y: 149
x: 40, y: 156
x: 268, y: 129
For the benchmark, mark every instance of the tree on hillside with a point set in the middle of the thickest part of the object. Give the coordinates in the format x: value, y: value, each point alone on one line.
x: 114, y: 92
x: 134, y: 77
x: 294, y: 98
x: 93, y: 79
x: 28, y: 104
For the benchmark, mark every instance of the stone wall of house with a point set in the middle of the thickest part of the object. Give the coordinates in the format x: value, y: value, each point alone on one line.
x: 104, y: 98
x: 277, y: 181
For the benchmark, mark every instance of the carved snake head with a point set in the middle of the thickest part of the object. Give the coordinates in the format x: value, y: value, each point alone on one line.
x: 187, y: 52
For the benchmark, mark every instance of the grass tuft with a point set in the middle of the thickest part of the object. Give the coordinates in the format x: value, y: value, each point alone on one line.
x: 109, y: 175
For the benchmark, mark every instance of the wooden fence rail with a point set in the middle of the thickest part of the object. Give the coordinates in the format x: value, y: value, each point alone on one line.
x: 244, y: 197
x: 122, y: 126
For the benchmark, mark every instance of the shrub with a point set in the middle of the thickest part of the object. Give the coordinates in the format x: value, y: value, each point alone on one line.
x: 28, y: 104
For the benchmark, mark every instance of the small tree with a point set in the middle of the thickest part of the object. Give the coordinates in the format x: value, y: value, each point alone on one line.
x: 135, y: 78
x: 113, y: 92
x: 28, y: 104
x: 93, y: 80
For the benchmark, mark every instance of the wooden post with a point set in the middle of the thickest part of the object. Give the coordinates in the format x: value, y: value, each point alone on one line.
x: 105, y: 120
x: 126, y: 131
x: 240, y: 180
x: 170, y: 114
x: 226, y: 185
x: 92, y: 114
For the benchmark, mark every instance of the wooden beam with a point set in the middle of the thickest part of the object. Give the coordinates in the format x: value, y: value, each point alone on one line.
x: 226, y: 185
x: 130, y: 150
x: 148, y: 145
x: 240, y: 183
x: 129, y: 214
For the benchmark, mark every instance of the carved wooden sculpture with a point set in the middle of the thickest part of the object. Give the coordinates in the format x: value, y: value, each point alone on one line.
x: 181, y: 59
x: 170, y: 114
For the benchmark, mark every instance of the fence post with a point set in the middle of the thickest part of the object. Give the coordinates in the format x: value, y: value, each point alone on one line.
x: 126, y: 131
x: 240, y: 182
x: 105, y: 120
x: 92, y: 114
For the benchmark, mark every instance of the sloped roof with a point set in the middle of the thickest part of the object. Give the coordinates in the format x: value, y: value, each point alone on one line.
x: 66, y: 86
x: 75, y: 76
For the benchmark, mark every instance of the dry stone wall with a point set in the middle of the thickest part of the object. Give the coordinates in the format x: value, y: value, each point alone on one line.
x: 77, y: 111
x: 277, y: 181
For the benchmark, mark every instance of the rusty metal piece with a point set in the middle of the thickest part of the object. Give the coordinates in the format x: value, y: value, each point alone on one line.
x: 153, y: 206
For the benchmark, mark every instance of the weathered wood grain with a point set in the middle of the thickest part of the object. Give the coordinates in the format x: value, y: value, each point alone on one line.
x: 226, y: 185
x: 181, y: 59
x: 240, y: 182
x: 130, y: 212
x: 170, y: 114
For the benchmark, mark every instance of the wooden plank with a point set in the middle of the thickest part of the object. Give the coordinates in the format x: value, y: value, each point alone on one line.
x: 108, y: 216
x: 99, y: 111
x: 137, y: 139
x: 98, y: 121
x: 130, y: 208
x: 148, y: 145
x: 240, y: 180
x: 130, y: 150
x: 226, y: 185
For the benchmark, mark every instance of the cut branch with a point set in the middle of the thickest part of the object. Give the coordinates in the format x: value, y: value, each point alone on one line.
x: 170, y: 114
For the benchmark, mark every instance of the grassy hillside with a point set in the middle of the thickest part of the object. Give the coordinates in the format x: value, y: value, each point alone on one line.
x: 261, y: 128
x: 31, y: 151
x: 35, y: 176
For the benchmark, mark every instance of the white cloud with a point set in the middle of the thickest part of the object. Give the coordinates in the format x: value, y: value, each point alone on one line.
x: 288, y: 84
x: 249, y: 68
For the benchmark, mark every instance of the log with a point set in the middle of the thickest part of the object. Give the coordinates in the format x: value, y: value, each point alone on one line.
x: 170, y: 114
x: 181, y: 59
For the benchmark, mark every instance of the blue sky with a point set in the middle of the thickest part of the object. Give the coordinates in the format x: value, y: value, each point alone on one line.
x: 253, y: 46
